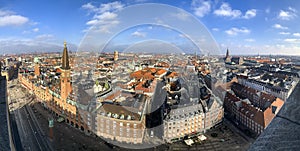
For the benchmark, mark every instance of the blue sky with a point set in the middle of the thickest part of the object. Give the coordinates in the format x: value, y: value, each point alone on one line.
x: 245, y: 27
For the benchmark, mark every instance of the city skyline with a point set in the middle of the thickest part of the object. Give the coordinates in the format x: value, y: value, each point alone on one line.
x: 251, y: 27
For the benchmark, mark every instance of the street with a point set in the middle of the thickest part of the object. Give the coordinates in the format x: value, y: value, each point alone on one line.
x: 31, y: 135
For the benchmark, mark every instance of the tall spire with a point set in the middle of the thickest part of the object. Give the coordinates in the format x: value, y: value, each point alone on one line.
x: 65, y: 58
x: 227, y: 53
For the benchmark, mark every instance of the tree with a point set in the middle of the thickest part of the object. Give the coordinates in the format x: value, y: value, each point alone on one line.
x: 106, y: 86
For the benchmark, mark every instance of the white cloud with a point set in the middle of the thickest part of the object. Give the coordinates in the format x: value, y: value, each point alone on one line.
x: 287, y: 14
x: 35, y: 29
x: 6, y: 12
x: 138, y: 34
x: 201, y: 7
x: 41, y: 43
x: 104, y: 16
x: 31, y: 31
x: 92, y: 22
x: 235, y: 31
x: 181, y: 15
x: 113, y: 6
x: 89, y: 6
x: 278, y: 26
x: 227, y: 11
x: 250, y: 40
x: 292, y: 40
x: 44, y: 37
x: 296, y: 34
x: 8, y: 19
x: 250, y: 14
x: 284, y: 33
x: 215, y: 29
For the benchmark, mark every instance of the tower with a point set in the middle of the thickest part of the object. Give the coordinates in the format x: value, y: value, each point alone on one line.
x: 227, y: 58
x: 227, y: 53
x: 65, y: 78
x: 36, y: 67
x: 116, y: 56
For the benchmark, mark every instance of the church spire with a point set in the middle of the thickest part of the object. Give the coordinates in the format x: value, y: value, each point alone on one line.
x: 65, y: 58
x: 227, y: 53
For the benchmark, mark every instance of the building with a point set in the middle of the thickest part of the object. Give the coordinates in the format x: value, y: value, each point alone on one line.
x: 255, y: 118
x: 116, y: 55
x: 269, y: 87
x: 37, y: 71
x: 250, y: 108
x: 227, y: 57
x: 184, y: 121
x: 116, y: 109
x: 6, y: 136
x: 59, y: 97
x: 233, y: 60
x: 123, y: 121
x: 192, y: 109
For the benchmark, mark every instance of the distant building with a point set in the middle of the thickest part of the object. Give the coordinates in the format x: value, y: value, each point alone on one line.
x: 227, y: 57
x: 116, y: 55
x: 37, y: 71
x: 237, y: 60
x: 233, y: 60
x: 277, y: 91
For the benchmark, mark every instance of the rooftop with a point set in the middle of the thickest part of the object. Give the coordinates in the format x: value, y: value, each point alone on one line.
x: 284, y: 131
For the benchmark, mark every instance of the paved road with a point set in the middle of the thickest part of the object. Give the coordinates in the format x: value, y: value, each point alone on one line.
x: 15, y: 133
x: 31, y: 135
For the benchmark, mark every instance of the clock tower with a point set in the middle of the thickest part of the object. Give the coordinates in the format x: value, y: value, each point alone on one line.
x: 65, y: 77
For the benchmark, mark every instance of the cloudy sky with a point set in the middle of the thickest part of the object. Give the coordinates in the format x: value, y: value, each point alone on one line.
x: 245, y: 27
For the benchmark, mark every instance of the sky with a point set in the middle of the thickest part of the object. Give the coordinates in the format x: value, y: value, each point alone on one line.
x: 244, y: 27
